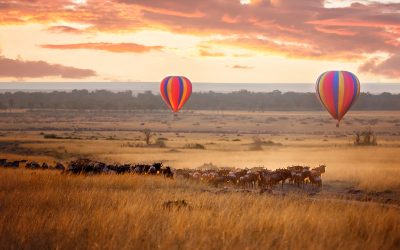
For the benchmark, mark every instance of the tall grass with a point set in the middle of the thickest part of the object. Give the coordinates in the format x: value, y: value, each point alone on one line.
x: 46, y: 210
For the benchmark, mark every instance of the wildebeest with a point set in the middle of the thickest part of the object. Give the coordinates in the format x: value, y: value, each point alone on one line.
x: 245, y: 178
x: 251, y: 179
x: 85, y: 166
x: 12, y: 164
x: 155, y: 168
x: 299, y: 174
x: 122, y: 169
x: 3, y: 162
x: 272, y: 178
x: 320, y: 169
x: 32, y: 165
x: 316, y: 180
x: 59, y: 166
x: 223, y: 179
x: 138, y: 169
x: 167, y: 172
x: 315, y: 175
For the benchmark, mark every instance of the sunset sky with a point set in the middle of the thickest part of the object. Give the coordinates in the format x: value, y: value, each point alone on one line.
x: 254, y: 41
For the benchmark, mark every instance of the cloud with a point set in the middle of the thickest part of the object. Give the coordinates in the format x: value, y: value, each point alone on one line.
x: 64, y: 29
x: 288, y: 49
x: 243, y: 55
x: 237, y: 66
x: 206, y: 53
x: 389, y: 67
x: 293, y: 28
x: 36, y: 69
x: 110, y: 47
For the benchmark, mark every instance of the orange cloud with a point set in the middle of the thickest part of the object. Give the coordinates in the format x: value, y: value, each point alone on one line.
x: 293, y: 28
x: 36, y: 69
x: 64, y: 29
x: 206, y: 53
x: 110, y: 47
x: 288, y: 49
x: 236, y: 66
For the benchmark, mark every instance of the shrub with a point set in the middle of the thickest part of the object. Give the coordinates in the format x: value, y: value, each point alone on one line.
x: 365, y: 138
x: 50, y: 136
x: 161, y: 143
x: 258, y: 143
x: 194, y: 146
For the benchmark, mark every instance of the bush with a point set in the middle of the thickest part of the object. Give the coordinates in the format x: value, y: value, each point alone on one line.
x: 133, y: 145
x: 365, y: 138
x: 194, y: 146
x: 161, y: 143
x: 50, y: 136
x: 258, y: 143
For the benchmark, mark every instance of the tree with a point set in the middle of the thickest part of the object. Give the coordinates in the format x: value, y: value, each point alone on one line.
x: 10, y: 103
x: 147, y: 135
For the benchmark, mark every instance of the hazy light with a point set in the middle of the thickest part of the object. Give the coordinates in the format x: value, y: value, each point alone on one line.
x: 347, y: 3
x: 79, y: 2
x: 244, y: 2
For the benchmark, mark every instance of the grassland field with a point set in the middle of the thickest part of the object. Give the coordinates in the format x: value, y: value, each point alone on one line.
x: 357, y: 207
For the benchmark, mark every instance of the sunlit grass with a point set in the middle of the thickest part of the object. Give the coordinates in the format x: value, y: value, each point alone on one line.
x: 44, y: 209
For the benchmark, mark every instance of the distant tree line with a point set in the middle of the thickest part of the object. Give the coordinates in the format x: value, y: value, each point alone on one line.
x: 240, y: 100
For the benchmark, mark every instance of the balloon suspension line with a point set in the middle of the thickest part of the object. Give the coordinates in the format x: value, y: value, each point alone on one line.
x: 337, y: 124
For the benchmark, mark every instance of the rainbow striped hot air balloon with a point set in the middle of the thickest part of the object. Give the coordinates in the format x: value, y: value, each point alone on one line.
x: 175, y: 91
x: 337, y: 91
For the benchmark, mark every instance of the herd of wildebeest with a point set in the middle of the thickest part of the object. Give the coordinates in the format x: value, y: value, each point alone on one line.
x: 244, y: 178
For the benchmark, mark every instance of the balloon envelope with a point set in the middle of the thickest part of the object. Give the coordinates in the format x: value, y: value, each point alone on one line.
x: 337, y: 91
x: 175, y: 91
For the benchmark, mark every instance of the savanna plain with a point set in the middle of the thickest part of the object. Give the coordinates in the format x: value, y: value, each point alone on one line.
x: 357, y: 207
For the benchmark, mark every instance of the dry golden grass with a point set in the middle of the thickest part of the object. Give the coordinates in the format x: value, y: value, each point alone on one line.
x: 373, y: 168
x: 47, y: 210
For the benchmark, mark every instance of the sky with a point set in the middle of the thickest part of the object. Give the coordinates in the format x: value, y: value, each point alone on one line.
x: 244, y: 41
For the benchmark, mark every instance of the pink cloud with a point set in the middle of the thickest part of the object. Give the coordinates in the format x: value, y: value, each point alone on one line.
x: 293, y: 28
x: 110, y: 47
x: 36, y: 69
x: 64, y: 29
x: 388, y: 67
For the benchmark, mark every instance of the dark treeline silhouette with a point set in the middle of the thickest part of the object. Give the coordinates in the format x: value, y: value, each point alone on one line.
x: 240, y: 100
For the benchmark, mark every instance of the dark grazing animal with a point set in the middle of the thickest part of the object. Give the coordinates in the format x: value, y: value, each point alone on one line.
x: 3, y: 162
x: 315, y: 175
x: 59, y: 166
x: 32, y: 165
x: 167, y: 172
x: 13, y: 164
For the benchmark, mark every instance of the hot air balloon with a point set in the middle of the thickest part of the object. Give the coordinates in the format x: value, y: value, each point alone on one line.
x: 175, y: 91
x: 337, y: 91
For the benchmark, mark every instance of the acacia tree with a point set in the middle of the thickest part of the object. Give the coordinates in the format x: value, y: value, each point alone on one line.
x: 147, y: 135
